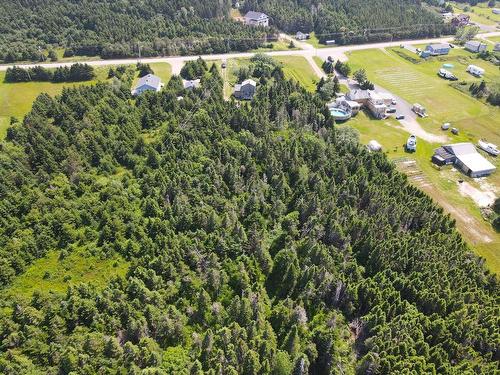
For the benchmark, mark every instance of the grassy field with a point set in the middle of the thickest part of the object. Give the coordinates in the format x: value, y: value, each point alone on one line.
x: 480, y: 13
x: 299, y: 69
x: 16, y: 98
x: 314, y: 41
x: 280, y: 45
x: 419, y: 83
x: 52, y: 275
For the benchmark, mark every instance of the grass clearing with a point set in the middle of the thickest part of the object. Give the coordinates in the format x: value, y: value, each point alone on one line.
x: 314, y: 41
x: 52, y: 275
x: 299, y: 69
x: 475, y: 120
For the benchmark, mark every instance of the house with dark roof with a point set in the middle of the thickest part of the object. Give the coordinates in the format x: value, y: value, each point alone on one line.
x: 460, y: 20
x: 465, y: 157
x: 149, y: 82
x: 437, y: 49
x: 245, y: 90
x: 256, y: 19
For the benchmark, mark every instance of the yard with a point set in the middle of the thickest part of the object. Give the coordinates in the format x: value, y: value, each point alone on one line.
x: 419, y: 83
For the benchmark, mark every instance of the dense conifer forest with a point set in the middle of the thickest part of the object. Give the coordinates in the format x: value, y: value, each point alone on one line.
x: 354, y: 21
x: 262, y: 239
x: 117, y: 28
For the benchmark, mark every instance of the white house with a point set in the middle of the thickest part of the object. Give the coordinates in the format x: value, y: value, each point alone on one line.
x: 191, y: 84
x: 496, y: 11
x: 245, y: 90
x: 149, y: 82
x: 475, y: 46
x: 256, y: 19
x: 475, y: 70
x: 301, y: 36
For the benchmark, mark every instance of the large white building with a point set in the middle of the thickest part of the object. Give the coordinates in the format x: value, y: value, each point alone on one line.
x: 256, y: 19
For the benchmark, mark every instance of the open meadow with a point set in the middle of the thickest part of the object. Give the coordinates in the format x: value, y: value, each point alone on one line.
x: 419, y: 83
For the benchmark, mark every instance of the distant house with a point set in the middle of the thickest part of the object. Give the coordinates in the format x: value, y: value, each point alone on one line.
x: 256, y: 19
x: 191, y: 84
x: 437, y: 49
x: 497, y: 47
x: 149, y: 82
x: 465, y: 157
x: 475, y: 46
x: 245, y: 90
x: 460, y: 20
x: 301, y: 36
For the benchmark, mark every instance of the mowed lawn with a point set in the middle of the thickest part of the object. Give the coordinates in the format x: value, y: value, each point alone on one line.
x: 419, y: 83
x: 16, y: 98
x: 299, y: 69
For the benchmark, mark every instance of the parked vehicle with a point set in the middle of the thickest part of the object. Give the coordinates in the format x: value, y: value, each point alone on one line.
x: 411, y: 144
x: 223, y: 65
x: 475, y: 70
x: 394, y: 102
x: 400, y: 117
x: 445, y: 126
x: 330, y: 59
x: 419, y: 110
x: 490, y: 148
x: 391, y: 110
x: 452, y: 45
x: 454, y: 131
x: 443, y: 73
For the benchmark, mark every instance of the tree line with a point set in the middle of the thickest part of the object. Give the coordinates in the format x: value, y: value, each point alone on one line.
x: 109, y: 30
x: 354, y: 21
x: 262, y: 239
x: 75, y: 73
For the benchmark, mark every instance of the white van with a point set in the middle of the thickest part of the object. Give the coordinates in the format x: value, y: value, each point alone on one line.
x: 475, y: 70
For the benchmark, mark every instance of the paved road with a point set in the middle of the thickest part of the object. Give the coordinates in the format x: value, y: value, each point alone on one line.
x: 176, y: 61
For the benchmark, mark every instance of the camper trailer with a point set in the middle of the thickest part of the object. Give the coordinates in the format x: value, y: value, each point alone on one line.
x: 419, y: 110
x: 475, y: 70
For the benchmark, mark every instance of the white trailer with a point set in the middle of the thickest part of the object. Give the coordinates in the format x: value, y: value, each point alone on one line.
x: 475, y: 70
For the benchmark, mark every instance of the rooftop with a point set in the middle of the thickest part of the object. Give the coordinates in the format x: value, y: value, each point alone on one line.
x: 150, y: 80
x: 255, y: 15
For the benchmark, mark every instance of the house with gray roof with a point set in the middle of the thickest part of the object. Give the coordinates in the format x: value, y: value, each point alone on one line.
x: 245, y: 90
x: 497, y: 47
x: 191, y: 84
x: 437, y: 49
x: 475, y: 46
x: 465, y: 157
x: 149, y: 82
x: 256, y: 19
